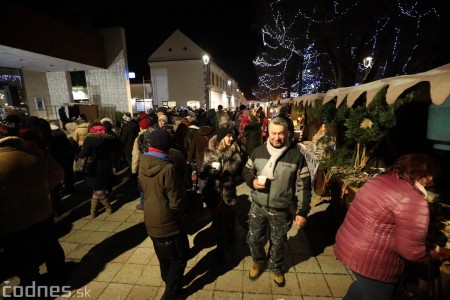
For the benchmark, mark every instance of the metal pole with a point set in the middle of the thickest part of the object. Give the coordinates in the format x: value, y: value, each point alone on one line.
x: 208, y: 91
x: 143, y: 84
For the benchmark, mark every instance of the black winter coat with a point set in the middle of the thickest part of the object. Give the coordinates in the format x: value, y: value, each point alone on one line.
x: 101, y: 146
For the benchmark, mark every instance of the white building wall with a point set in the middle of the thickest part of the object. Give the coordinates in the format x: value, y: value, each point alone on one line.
x: 179, y: 81
x: 60, y: 89
x: 111, y: 87
x: 160, y: 86
x: 36, y: 86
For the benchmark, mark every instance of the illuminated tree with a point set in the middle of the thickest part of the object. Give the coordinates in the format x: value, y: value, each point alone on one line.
x: 399, y: 35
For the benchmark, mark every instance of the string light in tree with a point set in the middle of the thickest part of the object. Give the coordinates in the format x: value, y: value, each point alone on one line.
x: 278, y: 37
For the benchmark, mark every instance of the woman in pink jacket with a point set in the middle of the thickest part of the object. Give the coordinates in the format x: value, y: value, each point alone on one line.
x: 385, y: 226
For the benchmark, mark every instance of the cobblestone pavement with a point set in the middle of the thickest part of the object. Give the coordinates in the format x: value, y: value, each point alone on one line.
x: 111, y: 256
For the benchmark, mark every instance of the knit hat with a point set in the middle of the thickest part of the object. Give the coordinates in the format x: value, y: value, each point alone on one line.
x: 223, y: 120
x: 142, y: 116
x: 284, y: 110
x: 144, y: 123
x: 108, y: 125
x: 126, y: 117
x: 163, y: 117
x: 8, y: 128
x: 223, y: 132
x: 160, y: 139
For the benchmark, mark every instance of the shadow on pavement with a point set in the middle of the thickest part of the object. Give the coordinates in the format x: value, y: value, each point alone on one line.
x: 95, y: 260
x: 77, y: 205
x: 207, y: 270
x: 312, y: 240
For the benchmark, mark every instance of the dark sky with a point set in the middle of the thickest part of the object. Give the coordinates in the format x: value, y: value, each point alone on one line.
x: 222, y: 28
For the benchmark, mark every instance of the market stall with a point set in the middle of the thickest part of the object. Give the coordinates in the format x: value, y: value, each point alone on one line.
x: 373, y: 124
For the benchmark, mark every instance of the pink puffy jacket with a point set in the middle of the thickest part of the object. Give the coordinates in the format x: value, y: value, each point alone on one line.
x: 386, y: 224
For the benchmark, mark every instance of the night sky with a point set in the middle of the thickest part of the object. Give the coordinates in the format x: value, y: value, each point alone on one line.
x: 222, y: 28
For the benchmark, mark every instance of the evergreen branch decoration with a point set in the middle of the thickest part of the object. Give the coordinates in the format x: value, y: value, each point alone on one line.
x: 341, y: 114
x: 362, y: 126
x: 328, y: 111
x: 300, y: 108
x: 314, y: 110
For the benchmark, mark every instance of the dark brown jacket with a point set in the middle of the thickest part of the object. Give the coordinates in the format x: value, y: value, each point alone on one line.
x: 27, y: 176
x: 165, y: 197
x: 199, y: 143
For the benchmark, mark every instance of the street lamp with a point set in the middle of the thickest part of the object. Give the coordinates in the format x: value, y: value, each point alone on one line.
x: 231, y: 93
x: 368, y: 63
x: 206, y: 66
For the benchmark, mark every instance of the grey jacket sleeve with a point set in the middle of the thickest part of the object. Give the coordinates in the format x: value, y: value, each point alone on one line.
x: 303, y: 190
x: 248, y: 173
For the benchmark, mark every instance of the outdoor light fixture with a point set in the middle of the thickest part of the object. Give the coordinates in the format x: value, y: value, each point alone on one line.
x: 205, y: 59
x: 131, y: 75
x: 368, y: 62
x: 231, y: 92
x: 206, y: 63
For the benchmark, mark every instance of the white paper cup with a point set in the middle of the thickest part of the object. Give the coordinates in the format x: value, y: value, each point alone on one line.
x: 262, y: 179
x: 216, y: 165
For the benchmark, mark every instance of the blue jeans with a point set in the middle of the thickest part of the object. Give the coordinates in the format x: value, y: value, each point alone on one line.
x: 364, y: 288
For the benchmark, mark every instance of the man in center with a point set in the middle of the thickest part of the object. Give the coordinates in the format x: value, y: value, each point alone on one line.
x: 283, y: 199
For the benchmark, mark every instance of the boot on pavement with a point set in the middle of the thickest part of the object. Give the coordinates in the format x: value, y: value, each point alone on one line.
x: 278, y: 278
x: 256, y: 270
x: 94, y: 203
x: 107, y: 206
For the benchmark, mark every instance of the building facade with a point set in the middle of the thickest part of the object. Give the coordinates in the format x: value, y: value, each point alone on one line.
x: 181, y: 77
x: 43, y: 54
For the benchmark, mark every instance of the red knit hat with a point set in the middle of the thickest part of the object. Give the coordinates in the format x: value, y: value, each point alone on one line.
x: 145, y: 123
x: 142, y: 116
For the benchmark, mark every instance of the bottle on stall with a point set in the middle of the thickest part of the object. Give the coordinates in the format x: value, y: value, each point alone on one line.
x: 194, y: 181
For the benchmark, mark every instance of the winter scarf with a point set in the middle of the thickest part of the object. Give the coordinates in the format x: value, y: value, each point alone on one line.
x: 158, y: 153
x: 275, y: 154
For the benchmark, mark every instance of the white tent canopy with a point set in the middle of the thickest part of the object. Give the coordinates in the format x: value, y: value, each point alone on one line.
x: 306, y: 99
x: 438, y: 78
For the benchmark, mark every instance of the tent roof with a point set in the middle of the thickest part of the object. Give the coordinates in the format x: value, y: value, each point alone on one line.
x: 438, y: 78
x: 306, y: 99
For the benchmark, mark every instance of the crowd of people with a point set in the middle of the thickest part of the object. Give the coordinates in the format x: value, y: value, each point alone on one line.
x: 161, y: 149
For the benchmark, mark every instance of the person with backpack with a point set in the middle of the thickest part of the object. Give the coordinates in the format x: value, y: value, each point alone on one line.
x: 139, y: 147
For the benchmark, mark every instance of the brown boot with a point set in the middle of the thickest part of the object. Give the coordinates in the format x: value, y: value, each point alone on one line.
x: 256, y: 270
x: 278, y: 278
x: 94, y: 203
x: 107, y: 206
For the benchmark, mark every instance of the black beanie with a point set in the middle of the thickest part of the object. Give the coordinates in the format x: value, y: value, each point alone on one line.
x: 160, y: 139
x: 222, y: 132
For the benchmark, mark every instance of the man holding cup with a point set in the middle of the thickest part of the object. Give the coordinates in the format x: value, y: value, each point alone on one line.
x: 280, y: 181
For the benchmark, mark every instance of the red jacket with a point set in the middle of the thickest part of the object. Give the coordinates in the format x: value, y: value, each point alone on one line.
x: 386, y: 224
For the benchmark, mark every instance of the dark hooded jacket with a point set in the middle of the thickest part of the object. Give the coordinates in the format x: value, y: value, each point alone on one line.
x: 165, y: 197
x: 199, y: 143
x: 101, y: 147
